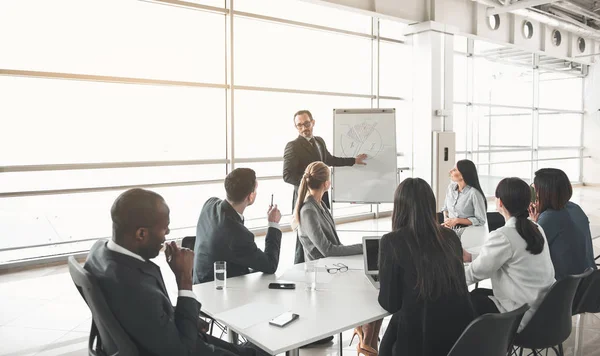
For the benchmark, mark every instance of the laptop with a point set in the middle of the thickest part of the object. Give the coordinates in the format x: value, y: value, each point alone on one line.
x: 371, y: 258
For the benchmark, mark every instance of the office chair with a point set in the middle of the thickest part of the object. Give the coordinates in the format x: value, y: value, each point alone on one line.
x: 551, y: 324
x: 587, y: 300
x: 110, y: 338
x: 190, y: 242
x: 489, y: 334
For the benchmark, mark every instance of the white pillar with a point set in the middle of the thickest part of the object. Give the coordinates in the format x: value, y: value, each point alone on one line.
x: 433, y: 75
x: 591, y: 125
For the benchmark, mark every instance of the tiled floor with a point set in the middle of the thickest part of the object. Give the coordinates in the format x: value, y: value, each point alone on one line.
x: 41, y: 312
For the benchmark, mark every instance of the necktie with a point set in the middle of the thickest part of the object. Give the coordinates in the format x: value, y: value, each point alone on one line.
x: 313, y: 142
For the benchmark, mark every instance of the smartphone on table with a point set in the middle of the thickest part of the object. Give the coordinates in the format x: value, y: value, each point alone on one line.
x: 282, y: 286
x: 284, y: 319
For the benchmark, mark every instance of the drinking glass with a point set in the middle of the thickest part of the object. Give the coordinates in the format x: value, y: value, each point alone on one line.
x: 220, y: 275
x: 310, y: 275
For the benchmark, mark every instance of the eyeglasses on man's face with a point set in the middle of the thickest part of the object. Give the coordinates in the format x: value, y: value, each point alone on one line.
x: 339, y: 267
x: 305, y: 124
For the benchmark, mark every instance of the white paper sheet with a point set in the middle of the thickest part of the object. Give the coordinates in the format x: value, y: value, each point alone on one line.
x: 250, y: 314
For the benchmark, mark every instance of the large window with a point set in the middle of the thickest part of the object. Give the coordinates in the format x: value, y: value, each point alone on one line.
x: 113, y: 37
x: 100, y: 96
x: 66, y: 121
x: 513, y: 114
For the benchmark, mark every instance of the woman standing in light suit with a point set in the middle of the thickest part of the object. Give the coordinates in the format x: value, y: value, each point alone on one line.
x: 465, y: 204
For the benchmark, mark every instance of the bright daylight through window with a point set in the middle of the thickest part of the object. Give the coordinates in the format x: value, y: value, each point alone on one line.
x: 88, y: 113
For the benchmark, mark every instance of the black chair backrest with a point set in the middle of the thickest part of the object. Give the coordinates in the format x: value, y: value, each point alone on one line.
x: 551, y: 323
x: 111, y: 339
x: 189, y: 242
x: 440, y: 217
x: 587, y: 298
x: 495, y: 220
x: 489, y: 334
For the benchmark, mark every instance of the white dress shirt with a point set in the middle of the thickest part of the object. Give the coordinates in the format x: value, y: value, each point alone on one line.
x: 115, y: 247
x: 518, y: 277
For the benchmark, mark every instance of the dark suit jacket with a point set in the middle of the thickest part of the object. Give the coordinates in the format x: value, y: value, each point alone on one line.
x: 299, y: 154
x: 135, y: 292
x: 222, y: 236
x: 418, y: 326
x: 569, y: 238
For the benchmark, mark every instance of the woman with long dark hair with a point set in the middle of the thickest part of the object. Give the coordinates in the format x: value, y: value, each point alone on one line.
x: 465, y: 204
x: 421, y: 277
x: 317, y: 233
x: 566, y: 226
x: 515, y: 257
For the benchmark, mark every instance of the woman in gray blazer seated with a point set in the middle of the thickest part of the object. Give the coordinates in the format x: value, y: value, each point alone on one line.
x: 316, y: 231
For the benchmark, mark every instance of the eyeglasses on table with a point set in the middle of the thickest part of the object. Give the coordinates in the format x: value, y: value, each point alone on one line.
x: 339, y: 267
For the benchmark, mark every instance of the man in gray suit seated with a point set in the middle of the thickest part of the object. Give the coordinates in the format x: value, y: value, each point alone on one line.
x: 222, y: 236
x: 134, y: 287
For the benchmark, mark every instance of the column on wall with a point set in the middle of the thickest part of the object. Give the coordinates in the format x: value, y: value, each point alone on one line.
x: 433, y: 60
x: 591, y: 125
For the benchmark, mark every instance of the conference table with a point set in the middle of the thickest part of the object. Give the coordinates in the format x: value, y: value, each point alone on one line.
x: 340, y: 302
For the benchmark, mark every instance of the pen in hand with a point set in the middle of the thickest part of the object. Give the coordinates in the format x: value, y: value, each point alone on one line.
x: 271, y: 199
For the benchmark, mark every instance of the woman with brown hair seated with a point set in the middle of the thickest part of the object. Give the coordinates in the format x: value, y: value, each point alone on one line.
x: 316, y: 231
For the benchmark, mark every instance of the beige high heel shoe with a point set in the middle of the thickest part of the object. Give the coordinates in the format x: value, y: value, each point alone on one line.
x: 362, y: 348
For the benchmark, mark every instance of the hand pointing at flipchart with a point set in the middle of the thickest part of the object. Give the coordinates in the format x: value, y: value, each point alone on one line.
x: 360, y: 159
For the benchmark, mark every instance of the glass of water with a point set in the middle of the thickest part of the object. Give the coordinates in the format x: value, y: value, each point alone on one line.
x: 220, y: 275
x: 310, y: 275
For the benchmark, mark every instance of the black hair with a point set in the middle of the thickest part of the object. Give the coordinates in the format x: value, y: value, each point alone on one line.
x: 553, y: 189
x: 469, y: 173
x: 516, y: 196
x: 437, y: 259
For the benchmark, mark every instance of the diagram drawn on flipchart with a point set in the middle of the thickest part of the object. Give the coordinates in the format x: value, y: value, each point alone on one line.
x: 361, y: 138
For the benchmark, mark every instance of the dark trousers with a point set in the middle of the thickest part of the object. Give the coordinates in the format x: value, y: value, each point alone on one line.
x: 386, y: 346
x: 299, y: 254
x: 482, y: 303
x: 215, y: 346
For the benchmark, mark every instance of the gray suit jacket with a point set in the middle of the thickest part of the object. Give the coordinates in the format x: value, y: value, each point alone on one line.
x: 317, y: 234
x: 222, y: 236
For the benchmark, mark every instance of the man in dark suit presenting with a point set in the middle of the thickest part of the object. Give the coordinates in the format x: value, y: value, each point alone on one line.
x: 134, y: 287
x: 303, y: 151
x: 222, y: 236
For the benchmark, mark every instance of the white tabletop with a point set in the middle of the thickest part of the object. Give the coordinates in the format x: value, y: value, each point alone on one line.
x: 347, y: 301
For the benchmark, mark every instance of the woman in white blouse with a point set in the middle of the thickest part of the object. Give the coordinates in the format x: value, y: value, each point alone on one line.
x: 516, y: 257
x: 465, y: 204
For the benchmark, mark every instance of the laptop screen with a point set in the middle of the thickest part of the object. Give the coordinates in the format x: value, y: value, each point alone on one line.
x: 372, y: 247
